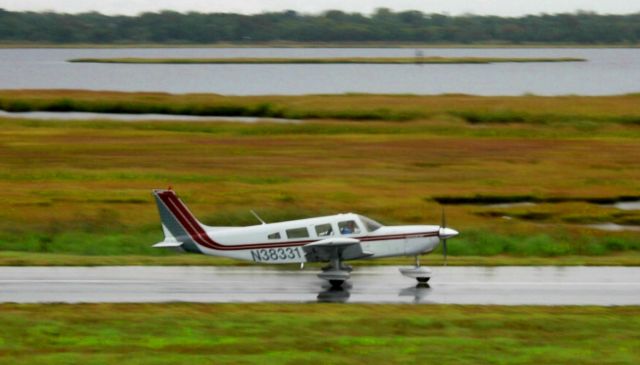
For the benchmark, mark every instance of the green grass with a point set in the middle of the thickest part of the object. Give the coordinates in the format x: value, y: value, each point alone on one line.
x: 353, y: 60
x: 74, y: 189
x: 475, y: 246
x: 317, y: 334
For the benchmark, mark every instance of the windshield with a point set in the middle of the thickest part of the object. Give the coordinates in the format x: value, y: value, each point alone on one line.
x: 370, y: 223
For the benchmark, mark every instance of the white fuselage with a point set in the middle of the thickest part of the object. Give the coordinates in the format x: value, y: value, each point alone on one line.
x: 281, y: 243
x: 331, y: 238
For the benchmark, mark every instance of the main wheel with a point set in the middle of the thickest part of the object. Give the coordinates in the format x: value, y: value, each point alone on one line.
x: 423, y: 280
x: 336, y: 283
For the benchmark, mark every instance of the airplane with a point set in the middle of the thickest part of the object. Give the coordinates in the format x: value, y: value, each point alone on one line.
x: 333, y: 239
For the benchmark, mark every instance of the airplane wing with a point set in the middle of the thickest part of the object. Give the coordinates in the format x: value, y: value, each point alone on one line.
x: 326, y: 249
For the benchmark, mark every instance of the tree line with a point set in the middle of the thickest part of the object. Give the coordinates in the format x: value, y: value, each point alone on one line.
x: 331, y: 26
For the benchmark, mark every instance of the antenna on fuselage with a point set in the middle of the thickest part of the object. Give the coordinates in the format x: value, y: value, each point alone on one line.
x: 257, y: 217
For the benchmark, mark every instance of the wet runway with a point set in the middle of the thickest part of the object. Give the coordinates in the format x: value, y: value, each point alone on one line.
x: 453, y: 285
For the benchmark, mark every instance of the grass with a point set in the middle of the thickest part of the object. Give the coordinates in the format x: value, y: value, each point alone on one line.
x: 316, y: 334
x: 507, y: 199
x: 79, y: 192
x: 353, y: 60
x: 580, y: 111
x: 108, y: 245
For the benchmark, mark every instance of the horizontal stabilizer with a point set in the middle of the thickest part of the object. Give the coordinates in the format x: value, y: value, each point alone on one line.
x: 165, y: 244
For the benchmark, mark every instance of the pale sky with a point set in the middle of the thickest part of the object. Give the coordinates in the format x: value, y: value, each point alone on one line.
x: 453, y: 7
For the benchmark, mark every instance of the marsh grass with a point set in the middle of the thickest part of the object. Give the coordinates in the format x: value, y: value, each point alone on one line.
x: 316, y: 334
x: 481, y: 199
x: 83, y: 188
x: 513, y: 116
x: 473, y: 242
x: 571, y: 110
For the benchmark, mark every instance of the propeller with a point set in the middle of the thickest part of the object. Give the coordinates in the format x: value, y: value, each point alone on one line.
x: 444, y: 233
x: 443, y: 226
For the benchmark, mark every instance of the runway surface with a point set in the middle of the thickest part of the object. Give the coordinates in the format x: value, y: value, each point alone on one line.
x: 454, y: 285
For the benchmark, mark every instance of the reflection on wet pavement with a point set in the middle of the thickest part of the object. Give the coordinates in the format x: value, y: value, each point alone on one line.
x: 372, y: 284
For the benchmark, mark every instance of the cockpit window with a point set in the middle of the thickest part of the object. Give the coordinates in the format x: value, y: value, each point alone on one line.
x: 370, y: 223
x: 274, y: 236
x: 348, y: 227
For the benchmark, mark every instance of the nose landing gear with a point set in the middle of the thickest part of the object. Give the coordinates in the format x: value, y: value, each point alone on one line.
x: 421, y: 274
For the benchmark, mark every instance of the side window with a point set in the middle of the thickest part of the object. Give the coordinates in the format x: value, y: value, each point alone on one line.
x: 274, y: 236
x: 297, y: 233
x: 348, y: 227
x: 324, y: 230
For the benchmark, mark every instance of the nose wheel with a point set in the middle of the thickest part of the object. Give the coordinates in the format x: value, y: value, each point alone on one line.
x: 336, y: 283
x: 420, y: 273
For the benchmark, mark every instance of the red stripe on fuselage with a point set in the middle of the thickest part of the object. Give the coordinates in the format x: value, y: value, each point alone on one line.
x: 200, y: 236
x: 195, y: 231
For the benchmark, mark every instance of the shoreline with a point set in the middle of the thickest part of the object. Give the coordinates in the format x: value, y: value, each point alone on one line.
x: 476, y: 109
x: 331, y: 60
x: 315, y: 45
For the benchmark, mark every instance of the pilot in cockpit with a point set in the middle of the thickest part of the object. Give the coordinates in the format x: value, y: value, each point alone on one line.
x: 347, y: 228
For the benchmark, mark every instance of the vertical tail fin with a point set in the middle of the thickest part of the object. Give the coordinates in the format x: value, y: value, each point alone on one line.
x: 178, y: 223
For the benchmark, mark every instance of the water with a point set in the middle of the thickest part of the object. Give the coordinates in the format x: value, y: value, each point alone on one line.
x: 608, y: 71
x: 633, y: 205
x: 511, y: 205
x: 124, y: 117
x: 613, y: 227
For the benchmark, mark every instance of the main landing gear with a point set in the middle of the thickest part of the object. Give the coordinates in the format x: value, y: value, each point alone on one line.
x: 335, y: 273
x: 421, y: 274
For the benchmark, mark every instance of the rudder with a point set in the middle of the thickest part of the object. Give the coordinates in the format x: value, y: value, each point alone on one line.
x: 175, y: 232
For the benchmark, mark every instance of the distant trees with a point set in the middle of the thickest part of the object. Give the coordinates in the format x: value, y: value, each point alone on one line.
x: 331, y: 26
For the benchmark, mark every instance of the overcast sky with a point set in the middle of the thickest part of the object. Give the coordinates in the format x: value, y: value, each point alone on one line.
x: 453, y: 7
